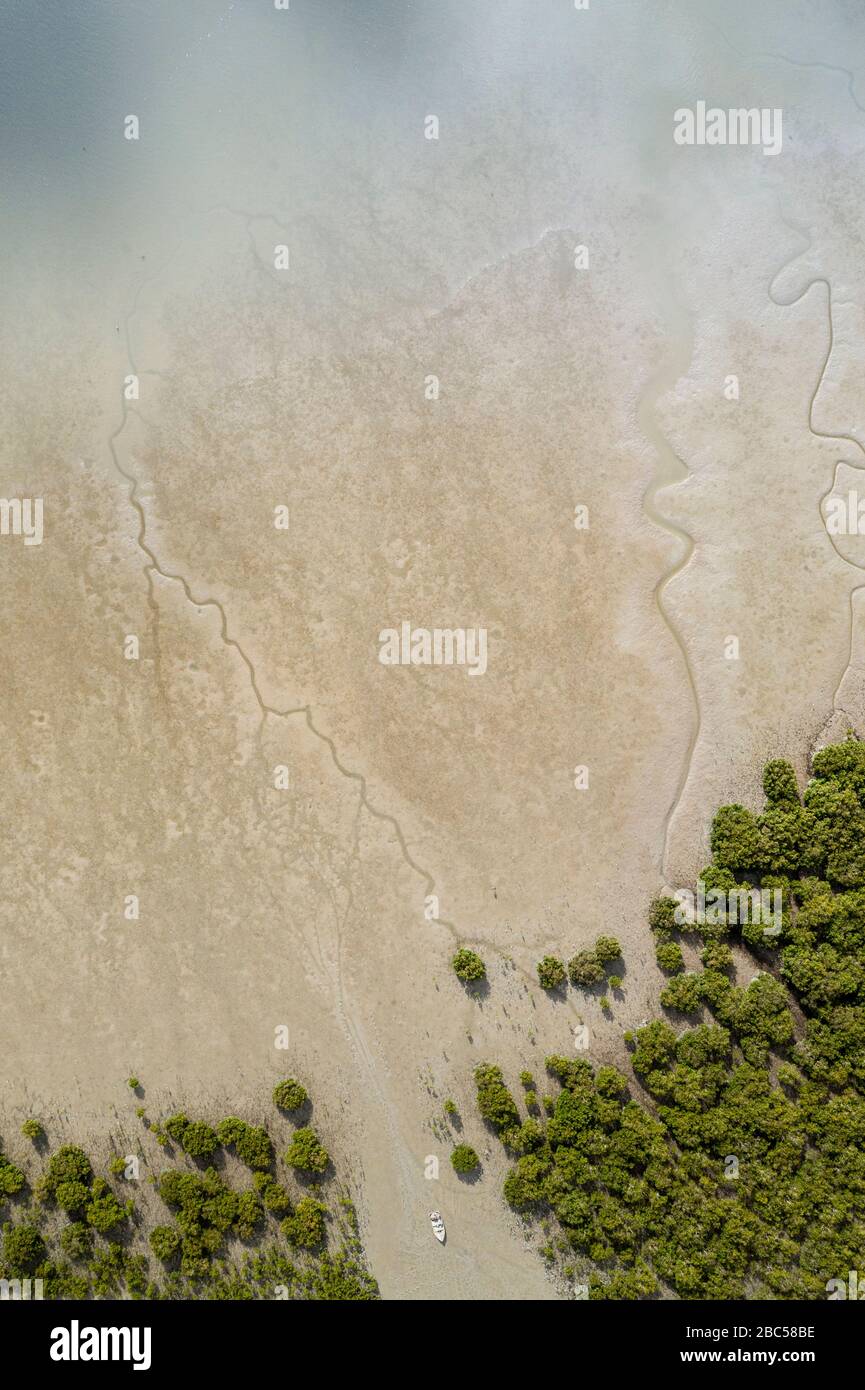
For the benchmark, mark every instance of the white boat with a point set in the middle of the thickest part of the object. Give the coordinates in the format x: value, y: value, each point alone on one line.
x: 438, y: 1226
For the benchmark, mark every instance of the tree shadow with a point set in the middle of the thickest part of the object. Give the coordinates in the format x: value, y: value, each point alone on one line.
x: 559, y: 993
x: 477, y: 989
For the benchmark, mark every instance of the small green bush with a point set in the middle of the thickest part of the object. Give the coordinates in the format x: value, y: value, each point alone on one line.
x: 305, y: 1227
x: 165, y: 1242
x: 76, y: 1241
x: 23, y: 1248
x: 464, y: 1159
x: 199, y: 1139
x: 71, y: 1195
x: 585, y: 968
x: 551, y: 972
x: 68, y: 1164
x: 254, y: 1147
x: 495, y: 1101
x: 307, y: 1153
x: 669, y: 957
x: 176, y: 1126
x: 716, y: 955
x: 272, y: 1193
x: 607, y: 948
x: 250, y: 1215
x: 468, y: 966
x: 11, y: 1178
x: 683, y: 993
x: 662, y: 918
x: 289, y: 1095
x: 779, y: 783
x: 230, y: 1130
x: 103, y: 1211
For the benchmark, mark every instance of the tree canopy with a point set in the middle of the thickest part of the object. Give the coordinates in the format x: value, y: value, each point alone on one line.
x: 731, y: 1163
